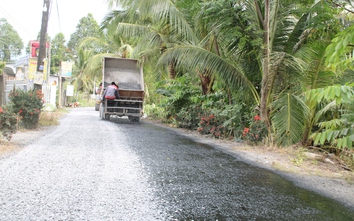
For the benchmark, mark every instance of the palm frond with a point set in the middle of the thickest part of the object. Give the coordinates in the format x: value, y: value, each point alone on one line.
x: 288, y: 118
x: 93, y: 66
x: 193, y: 58
x: 133, y: 30
x: 316, y: 76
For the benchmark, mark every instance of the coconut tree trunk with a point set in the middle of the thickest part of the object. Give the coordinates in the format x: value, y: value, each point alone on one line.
x: 172, y: 69
x: 206, y: 81
x: 265, y: 87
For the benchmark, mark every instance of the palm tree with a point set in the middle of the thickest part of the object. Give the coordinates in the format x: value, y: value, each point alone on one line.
x: 165, y: 29
x: 153, y: 27
x: 297, y: 115
x: 88, y: 68
x: 265, y: 24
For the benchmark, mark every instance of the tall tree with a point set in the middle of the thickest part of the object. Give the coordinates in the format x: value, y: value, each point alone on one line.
x: 58, y: 52
x: 10, y: 42
x: 87, y: 27
x: 254, y: 48
x: 160, y: 30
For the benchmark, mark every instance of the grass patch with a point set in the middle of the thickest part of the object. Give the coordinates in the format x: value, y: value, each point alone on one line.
x: 85, y: 103
x: 49, y: 118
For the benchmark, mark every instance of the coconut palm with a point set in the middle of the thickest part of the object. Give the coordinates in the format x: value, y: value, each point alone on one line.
x: 262, y: 37
x: 311, y: 48
x: 88, y: 68
x: 156, y: 29
x: 158, y: 32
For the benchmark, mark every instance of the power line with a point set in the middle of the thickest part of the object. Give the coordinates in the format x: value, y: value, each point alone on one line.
x: 58, y: 16
x: 14, y: 21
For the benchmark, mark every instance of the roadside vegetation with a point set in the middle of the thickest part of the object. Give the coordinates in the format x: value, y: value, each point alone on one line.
x: 25, y: 112
x: 276, y: 73
x: 260, y: 72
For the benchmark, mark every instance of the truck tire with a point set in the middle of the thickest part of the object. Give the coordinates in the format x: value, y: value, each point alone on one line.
x: 134, y: 119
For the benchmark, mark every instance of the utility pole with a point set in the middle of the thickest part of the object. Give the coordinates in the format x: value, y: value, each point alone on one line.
x: 43, y: 36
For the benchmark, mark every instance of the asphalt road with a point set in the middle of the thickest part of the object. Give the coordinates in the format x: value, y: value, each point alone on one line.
x: 90, y: 169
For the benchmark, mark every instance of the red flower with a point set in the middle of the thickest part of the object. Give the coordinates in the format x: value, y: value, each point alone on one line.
x: 20, y: 112
x: 1, y: 110
x: 257, y: 118
x: 246, y: 130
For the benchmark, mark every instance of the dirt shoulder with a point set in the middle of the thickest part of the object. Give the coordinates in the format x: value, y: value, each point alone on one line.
x: 19, y: 140
x: 294, y: 159
x: 320, y: 173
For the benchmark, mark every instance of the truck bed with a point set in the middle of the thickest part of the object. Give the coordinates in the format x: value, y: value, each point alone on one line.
x: 131, y: 95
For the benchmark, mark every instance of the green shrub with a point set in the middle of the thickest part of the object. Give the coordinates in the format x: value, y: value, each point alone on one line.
x: 178, y: 93
x: 27, y: 105
x: 221, y: 121
x: 216, y: 114
x: 8, y: 123
x: 154, y: 112
x: 189, y: 117
x: 209, y: 125
x: 256, y: 131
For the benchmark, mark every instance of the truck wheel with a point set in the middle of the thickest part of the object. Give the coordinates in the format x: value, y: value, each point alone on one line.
x: 107, y: 117
x: 134, y: 119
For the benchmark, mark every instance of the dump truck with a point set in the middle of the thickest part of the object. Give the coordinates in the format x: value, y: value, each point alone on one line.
x: 128, y: 75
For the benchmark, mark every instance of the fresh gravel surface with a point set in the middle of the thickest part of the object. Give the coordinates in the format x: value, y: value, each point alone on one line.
x: 82, y: 170
x: 91, y: 169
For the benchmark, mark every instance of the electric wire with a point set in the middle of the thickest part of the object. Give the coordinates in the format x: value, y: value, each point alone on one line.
x: 14, y: 21
x: 58, y: 16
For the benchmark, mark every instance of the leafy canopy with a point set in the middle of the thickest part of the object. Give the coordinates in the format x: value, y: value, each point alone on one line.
x: 87, y: 27
x: 10, y: 42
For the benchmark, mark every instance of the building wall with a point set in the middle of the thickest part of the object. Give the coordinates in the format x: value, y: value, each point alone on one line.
x: 2, y: 90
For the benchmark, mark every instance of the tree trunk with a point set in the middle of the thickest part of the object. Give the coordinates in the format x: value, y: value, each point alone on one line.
x: 172, y: 69
x: 205, y: 79
x: 265, y: 87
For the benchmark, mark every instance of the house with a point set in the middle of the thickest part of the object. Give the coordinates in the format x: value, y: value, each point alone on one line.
x: 14, y: 75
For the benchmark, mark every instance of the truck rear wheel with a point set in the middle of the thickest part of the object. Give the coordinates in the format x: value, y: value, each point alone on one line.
x: 133, y: 119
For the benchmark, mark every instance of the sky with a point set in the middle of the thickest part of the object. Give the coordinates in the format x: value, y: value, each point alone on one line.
x: 25, y: 16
